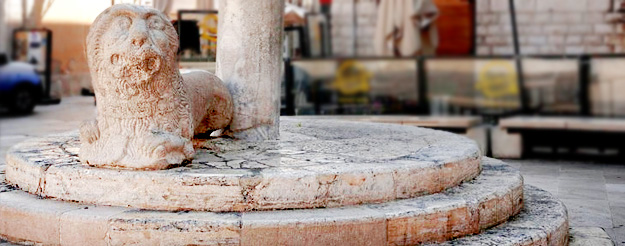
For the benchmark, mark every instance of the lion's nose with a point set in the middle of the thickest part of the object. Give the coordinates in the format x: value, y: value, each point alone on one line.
x: 138, y: 40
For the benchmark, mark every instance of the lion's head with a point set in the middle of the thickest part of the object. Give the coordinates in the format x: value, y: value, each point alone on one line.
x: 128, y: 46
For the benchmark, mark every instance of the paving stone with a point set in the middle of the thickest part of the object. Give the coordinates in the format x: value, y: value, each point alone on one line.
x: 618, y: 215
x: 584, y: 209
x: 614, y: 178
x: 582, y: 236
x: 615, y: 188
x: 614, y: 197
x: 582, y: 189
x: 553, y: 171
x: 595, y: 175
x: 617, y: 235
x: 547, y: 183
x: 589, y: 212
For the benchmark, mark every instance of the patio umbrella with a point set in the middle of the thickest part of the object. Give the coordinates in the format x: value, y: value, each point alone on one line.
x: 406, y: 28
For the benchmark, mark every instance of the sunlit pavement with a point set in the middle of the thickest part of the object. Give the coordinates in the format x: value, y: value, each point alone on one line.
x: 594, y: 193
x: 45, y: 120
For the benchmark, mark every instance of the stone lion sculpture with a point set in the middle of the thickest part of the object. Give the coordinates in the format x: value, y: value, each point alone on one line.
x: 148, y: 112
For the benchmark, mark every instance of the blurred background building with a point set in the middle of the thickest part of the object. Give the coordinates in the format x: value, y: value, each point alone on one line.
x: 551, y: 27
x: 69, y: 21
x: 349, y: 28
x: 473, y: 58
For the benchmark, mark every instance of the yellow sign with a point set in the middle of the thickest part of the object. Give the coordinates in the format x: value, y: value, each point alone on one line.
x: 352, y: 78
x: 497, y: 78
x: 208, y: 27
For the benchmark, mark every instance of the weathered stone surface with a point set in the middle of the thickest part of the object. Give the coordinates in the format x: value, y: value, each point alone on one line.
x: 339, y: 226
x: 41, y: 155
x: 148, y: 112
x: 596, y: 236
x: 88, y: 225
x: 543, y: 221
x: 249, y: 61
x: 432, y: 218
x: 462, y: 210
x: 468, y: 124
x: 184, y: 228
x: 24, y: 217
x: 320, y: 163
x: 422, y: 121
x: 437, y: 217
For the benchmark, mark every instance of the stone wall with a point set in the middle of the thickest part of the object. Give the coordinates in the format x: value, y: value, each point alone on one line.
x: 347, y: 41
x: 342, y: 30
x: 551, y: 27
x: 367, y: 16
x: 70, y: 73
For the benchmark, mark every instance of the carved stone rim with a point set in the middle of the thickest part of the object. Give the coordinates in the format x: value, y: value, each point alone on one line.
x: 321, y: 163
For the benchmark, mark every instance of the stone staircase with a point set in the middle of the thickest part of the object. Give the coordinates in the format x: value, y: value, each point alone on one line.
x: 326, y: 182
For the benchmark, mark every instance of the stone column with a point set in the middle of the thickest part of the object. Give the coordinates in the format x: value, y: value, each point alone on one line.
x: 4, y: 39
x: 249, y: 61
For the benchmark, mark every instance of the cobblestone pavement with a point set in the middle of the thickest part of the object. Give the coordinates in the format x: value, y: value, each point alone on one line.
x: 594, y: 193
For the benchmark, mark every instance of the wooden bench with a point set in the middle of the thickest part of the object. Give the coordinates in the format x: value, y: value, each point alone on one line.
x: 469, y: 126
x: 562, y: 136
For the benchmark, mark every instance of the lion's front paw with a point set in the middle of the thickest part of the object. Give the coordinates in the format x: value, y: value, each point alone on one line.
x: 89, y: 131
x: 169, y: 150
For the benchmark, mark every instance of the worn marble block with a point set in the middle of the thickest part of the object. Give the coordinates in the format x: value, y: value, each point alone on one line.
x: 320, y: 163
x: 148, y: 113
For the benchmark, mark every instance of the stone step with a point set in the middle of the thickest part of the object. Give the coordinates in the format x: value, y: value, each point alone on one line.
x: 469, y: 208
x: 543, y: 221
x: 317, y: 163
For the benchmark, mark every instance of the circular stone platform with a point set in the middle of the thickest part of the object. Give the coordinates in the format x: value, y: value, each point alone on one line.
x: 469, y: 208
x: 317, y: 163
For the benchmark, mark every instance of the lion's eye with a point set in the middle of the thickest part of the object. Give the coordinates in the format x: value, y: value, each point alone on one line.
x: 156, y: 23
x: 123, y: 22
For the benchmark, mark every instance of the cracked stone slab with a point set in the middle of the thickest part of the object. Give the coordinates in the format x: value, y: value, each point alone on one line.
x: 316, y: 163
x: 542, y: 221
x: 474, y: 206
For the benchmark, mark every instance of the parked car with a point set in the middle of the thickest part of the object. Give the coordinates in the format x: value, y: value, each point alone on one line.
x: 20, y: 86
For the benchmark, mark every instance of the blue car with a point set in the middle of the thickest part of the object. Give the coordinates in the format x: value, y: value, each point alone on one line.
x: 20, y: 86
